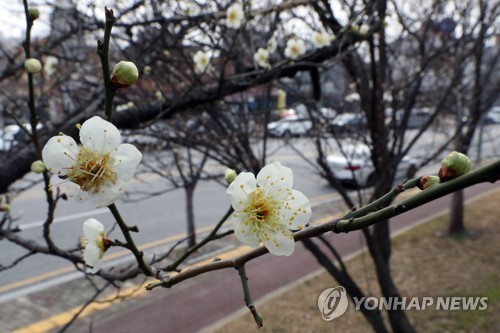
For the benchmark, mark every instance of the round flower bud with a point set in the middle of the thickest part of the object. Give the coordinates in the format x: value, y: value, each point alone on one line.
x: 5, y: 208
x: 33, y: 13
x: 124, y: 74
x: 454, y: 165
x: 427, y: 181
x: 33, y: 65
x: 158, y: 95
x: 364, y: 29
x: 147, y: 70
x: 37, y: 166
x: 230, y: 175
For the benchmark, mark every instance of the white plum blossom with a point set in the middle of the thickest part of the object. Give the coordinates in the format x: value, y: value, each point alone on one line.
x: 267, y: 209
x: 272, y: 45
x: 294, y: 48
x: 363, y: 29
x: 101, y: 166
x: 201, y: 61
x: 50, y: 65
x: 322, y: 39
x: 234, y: 16
x: 261, y: 57
x: 94, y: 244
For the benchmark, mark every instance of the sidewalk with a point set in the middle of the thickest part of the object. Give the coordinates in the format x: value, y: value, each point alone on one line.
x: 196, y: 303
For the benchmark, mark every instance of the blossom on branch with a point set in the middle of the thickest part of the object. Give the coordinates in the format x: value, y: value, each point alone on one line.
x: 261, y: 57
x: 272, y: 45
x: 322, y: 39
x: 364, y: 29
x: 267, y: 209
x: 94, y: 244
x: 101, y: 165
x: 234, y: 16
x: 50, y: 65
x: 294, y: 48
x: 201, y: 61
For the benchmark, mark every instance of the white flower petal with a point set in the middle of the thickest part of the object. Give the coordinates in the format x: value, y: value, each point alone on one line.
x: 92, y: 257
x: 59, y: 154
x: 108, y: 194
x: 243, y: 232
x: 126, y: 158
x: 99, y: 135
x: 275, y: 173
x: 92, y: 229
x: 234, y: 16
x: 240, y: 189
x: 299, y: 213
x: 280, y: 242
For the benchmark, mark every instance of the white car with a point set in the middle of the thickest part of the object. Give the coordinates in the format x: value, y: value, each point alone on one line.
x: 11, y: 134
x: 289, y: 126
x: 492, y: 116
x: 354, y: 167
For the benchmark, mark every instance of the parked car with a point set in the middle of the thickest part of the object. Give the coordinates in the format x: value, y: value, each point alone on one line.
x: 417, y: 119
x: 492, y: 116
x: 353, y: 166
x: 10, y: 135
x: 289, y: 126
x: 348, y: 123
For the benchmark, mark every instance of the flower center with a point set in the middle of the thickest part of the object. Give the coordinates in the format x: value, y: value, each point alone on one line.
x: 261, y: 210
x: 233, y: 16
x: 91, y: 170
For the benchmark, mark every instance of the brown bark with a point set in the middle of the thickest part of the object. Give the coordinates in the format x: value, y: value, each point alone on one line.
x: 456, y: 216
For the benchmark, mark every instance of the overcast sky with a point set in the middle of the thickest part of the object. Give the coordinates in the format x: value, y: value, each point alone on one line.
x: 13, y: 24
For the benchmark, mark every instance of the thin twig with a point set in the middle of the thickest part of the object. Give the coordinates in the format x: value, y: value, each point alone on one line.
x: 248, y: 297
x: 211, y: 236
x: 130, y: 241
x: 103, y: 52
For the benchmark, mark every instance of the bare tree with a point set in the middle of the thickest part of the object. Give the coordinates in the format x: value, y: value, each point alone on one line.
x: 206, y: 113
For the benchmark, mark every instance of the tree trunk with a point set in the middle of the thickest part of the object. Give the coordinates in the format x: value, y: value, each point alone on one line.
x: 374, y: 317
x: 190, y: 215
x: 379, y: 246
x: 456, y: 216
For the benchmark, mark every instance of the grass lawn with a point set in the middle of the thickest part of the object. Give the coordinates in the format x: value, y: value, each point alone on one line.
x: 424, y: 263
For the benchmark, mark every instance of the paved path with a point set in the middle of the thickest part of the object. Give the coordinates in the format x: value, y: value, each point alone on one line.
x: 198, y: 303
